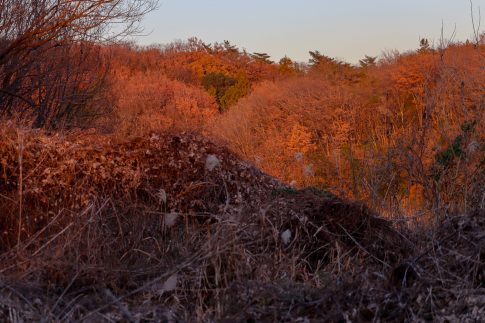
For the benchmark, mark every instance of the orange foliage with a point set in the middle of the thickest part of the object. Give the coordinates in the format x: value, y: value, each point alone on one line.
x: 140, y: 71
x: 390, y: 134
x: 412, y: 73
x: 149, y: 101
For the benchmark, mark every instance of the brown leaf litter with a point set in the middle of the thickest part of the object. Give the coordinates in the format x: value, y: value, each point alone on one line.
x: 175, y: 228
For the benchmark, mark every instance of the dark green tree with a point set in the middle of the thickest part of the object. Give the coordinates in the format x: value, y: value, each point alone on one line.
x: 239, y: 90
x: 318, y: 59
x: 230, y: 48
x: 262, y: 57
x: 287, y: 66
x: 424, y: 45
x: 368, y: 61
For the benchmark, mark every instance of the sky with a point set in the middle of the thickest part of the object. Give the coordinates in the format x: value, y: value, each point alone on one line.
x: 344, y: 29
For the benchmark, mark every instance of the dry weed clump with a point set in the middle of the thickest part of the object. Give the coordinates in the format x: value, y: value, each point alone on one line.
x: 441, y: 280
x: 452, y: 269
x: 110, y: 227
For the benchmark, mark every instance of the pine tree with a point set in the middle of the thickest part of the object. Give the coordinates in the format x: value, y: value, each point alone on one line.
x: 368, y: 61
x: 286, y: 66
x: 262, y: 57
x: 424, y: 45
x: 319, y: 59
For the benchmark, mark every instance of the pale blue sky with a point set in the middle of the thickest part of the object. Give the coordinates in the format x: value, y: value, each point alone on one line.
x: 346, y: 29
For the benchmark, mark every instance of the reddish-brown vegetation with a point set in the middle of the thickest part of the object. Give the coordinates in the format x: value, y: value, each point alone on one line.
x: 116, y: 229
x: 404, y: 135
x: 140, y: 197
x: 89, y: 212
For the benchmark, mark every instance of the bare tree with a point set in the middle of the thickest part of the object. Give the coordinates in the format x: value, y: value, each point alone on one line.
x: 49, y: 64
x: 476, y: 27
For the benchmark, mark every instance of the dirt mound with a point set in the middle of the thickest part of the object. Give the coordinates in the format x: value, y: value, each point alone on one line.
x: 171, y: 172
x: 318, y: 219
x: 114, y: 229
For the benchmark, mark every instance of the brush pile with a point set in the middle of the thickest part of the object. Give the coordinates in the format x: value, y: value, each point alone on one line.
x: 174, y: 228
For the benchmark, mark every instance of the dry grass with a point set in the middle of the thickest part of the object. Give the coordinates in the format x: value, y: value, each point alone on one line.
x: 143, y: 230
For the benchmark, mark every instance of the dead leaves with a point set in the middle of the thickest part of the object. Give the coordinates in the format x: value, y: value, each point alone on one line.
x: 71, y: 172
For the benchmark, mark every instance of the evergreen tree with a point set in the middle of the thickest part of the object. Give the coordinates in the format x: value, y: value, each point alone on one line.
x: 368, y: 61
x: 317, y: 59
x: 286, y: 66
x: 230, y: 48
x: 262, y: 57
x: 424, y: 45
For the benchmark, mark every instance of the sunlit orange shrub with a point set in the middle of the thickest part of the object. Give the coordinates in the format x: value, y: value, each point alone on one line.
x: 150, y: 101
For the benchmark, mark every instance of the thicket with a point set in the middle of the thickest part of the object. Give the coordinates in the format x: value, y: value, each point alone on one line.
x: 405, y: 135
x: 51, y: 69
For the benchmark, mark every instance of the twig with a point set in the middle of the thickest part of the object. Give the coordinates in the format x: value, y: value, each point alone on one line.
x: 8, y: 198
x: 145, y: 286
x: 20, y: 183
x: 41, y: 231
x: 66, y: 312
x: 64, y: 292
x: 424, y: 253
x: 228, y: 197
x: 20, y: 295
x: 476, y: 31
x: 122, y: 307
x: 52, y: 239
x: 365, y: 250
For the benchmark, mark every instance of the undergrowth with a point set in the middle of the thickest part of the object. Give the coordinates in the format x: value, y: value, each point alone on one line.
x: 96, y: 228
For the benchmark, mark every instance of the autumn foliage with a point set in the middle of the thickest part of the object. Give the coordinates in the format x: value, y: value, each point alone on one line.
x: 200, y: 180
x: 392, y: 134
x: 403, y: 133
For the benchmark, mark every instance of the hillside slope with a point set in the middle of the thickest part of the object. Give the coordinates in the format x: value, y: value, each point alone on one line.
x: 172, y: 227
